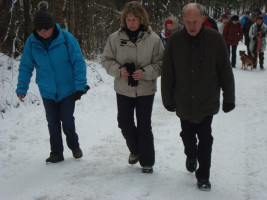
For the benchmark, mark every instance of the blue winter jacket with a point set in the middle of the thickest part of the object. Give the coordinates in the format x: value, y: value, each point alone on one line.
x: 244, y: 19
x: 58, y: 73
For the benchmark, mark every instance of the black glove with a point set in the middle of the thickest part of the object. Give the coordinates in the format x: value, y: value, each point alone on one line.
x: 77, y: 95
x: 227, y: 107
x: 263, y: 34
x: 130, y: 67
x: 255, y: 38
x: 171, y: 108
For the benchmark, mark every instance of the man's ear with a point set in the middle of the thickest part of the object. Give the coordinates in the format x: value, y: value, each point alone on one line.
x: 203, y: 18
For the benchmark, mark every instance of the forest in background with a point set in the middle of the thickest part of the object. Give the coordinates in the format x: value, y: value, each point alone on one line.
x: 92, y: 21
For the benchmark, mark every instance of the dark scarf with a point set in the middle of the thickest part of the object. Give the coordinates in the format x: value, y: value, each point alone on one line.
x: 48, y: 41
x: 133, y: 35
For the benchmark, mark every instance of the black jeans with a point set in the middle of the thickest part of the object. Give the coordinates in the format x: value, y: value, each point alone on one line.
x: 139, y: 138
x: 248, y: 50
x: 260, y: 56
x: 233, y: 54
x: 261, y: 59
x: 200, y: 148
x: 55, y: 114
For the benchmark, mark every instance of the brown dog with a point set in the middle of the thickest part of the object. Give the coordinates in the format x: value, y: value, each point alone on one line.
x: 246, y: 60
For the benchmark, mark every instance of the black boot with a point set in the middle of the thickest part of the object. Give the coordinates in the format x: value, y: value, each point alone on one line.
x: 203, y: 184
x: 191, y: 164
x: 54, y: 159
x: 77, y: 152
x: 147, y: 170
x: 133, y: 159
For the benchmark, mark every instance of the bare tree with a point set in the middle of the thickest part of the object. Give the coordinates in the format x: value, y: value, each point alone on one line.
x: 92, y: 21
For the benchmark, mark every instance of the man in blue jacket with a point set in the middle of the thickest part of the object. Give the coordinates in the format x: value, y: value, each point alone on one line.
x: 264, y: 17
x: 61, y: 78
x: 245, y: 18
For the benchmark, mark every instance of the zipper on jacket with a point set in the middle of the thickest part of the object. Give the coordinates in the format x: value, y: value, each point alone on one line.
x: 47, y: 54
x: 56, y: 95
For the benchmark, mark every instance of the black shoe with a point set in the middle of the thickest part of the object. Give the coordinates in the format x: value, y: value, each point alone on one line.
x: 203, y: 184
x: 77, y: 152
x: 133, y: 159
x: 54, y: 159
x: 191, y: 164
x: 147, y: 170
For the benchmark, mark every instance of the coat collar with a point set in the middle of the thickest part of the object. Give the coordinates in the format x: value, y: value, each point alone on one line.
x: 142, y: 35
x: 198, y: 36
x: 57, y: 36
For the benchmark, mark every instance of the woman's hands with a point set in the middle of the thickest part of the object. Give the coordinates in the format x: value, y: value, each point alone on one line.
x: 137, y: 75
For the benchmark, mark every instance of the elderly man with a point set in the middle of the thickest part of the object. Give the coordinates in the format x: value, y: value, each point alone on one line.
x: 195, y: 67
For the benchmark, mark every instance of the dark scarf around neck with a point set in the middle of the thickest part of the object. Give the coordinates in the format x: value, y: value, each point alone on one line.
x: 133, y: 35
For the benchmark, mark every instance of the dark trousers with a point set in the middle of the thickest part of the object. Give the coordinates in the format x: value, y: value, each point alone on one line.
x: 57, y: 113
x: 200, y: 148
x: 139, y: 138
x: 260, y: 56
x: 248, y: 50
x: 233, y: 54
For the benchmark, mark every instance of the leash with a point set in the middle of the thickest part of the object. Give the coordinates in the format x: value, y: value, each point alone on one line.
x: 248, y: 60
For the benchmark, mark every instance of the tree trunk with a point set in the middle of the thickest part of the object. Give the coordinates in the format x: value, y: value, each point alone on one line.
x: 71, y: 21
x: 27, y: 19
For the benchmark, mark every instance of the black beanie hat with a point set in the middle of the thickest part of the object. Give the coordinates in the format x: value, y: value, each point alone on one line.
x: 235, y: 18
x: 43, y: 18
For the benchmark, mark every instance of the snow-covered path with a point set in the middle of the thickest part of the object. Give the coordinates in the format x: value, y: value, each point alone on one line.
x: 238, y: 161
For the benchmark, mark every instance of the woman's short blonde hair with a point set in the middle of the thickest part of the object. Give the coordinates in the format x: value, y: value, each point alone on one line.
x: 137, y: 10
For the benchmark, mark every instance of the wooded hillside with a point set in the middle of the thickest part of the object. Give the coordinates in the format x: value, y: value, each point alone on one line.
x: 91, y: 21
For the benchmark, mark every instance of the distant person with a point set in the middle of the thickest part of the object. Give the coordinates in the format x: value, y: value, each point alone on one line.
x: 232, y: 34
x: 60, y: 75
x: 264, y: 18
x: 254, y: 32
x: 224, y: 19
x: 209, y: 22
x: 245, y: 18
x: 195, y: 68
x: 133, y: 56
x: 246, y: 29
x: 258, y: 12
x: 171, y: 25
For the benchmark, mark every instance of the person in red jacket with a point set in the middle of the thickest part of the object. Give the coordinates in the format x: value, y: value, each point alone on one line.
x: 232, y: 34
x: 209, y: 22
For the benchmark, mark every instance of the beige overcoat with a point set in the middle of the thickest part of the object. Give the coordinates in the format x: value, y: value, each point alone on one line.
x: 146, y: 53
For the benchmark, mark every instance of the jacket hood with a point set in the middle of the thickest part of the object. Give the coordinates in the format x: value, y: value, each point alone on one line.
x: 175, y: 22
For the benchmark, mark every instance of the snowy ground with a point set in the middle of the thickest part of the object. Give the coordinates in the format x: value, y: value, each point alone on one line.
x: 238, y: 161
